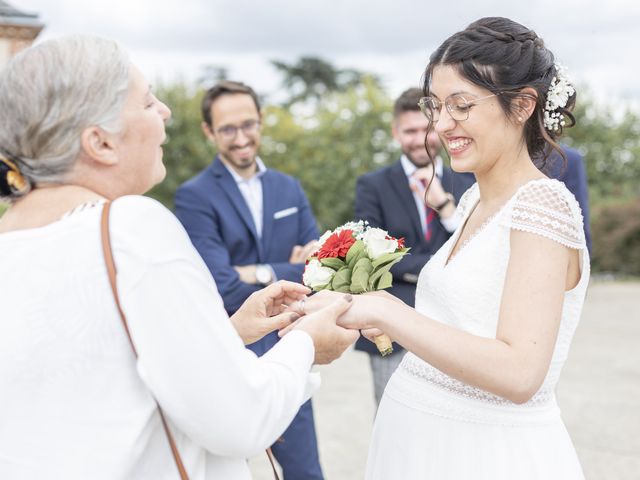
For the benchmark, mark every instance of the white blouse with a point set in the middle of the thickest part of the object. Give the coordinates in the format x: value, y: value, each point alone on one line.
x: 75, y: 403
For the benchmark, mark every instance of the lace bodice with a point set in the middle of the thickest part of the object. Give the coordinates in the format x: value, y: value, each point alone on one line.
x: 466, y: 292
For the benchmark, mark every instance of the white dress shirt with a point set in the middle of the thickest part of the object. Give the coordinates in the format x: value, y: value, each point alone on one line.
x: 251, y: 190
x: 450, y: 224
x: 76, y: 404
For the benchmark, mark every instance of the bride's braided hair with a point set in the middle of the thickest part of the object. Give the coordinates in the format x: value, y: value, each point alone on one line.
x: 504, y: 57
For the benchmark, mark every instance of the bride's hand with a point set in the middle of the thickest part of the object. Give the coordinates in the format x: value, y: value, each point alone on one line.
x: 324, y: 298
x: 309, y: 306
x: 371, y: 333
x: 319, y: 300
x: 363, y: 314
x: 267, y: 310
x: 384, y: 294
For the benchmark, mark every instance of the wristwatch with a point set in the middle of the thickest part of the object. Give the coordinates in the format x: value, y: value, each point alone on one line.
x: 264, y: 274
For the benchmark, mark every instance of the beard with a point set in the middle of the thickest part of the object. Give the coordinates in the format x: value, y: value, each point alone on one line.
x: 419, y: 159
x: 241, y: 162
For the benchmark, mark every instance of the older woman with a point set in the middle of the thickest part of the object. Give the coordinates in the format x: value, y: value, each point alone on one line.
x: 79, y: 127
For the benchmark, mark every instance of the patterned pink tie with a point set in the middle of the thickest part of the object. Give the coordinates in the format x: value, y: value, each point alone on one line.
x: 430, y: 214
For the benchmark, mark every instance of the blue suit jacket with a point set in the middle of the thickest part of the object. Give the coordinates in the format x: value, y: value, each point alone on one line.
x: 574, y: 176
x: 219, y: 222
x: 384, y: 199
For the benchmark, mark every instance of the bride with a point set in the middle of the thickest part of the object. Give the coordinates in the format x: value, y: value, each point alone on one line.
x: 497, y: 306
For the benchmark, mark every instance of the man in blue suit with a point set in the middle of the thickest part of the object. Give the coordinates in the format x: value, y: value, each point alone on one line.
x: 252, y: 226
x: 393, y: 198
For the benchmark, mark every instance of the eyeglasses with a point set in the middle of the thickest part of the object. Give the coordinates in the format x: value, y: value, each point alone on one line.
x: 229, y: 132
x: 457, y: 105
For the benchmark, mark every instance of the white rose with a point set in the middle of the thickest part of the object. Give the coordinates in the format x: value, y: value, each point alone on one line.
x: 315, y: 275
x: 376, y: 242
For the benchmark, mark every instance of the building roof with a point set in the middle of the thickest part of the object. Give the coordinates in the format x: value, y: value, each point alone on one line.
x: 12, y: 16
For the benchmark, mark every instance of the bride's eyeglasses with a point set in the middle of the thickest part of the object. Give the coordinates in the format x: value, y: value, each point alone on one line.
x: 457, y: 105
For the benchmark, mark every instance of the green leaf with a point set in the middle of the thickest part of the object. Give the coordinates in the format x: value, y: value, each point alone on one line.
x: 374, y: 277
x: 320, y: 287
x: 360, y: 276
x: 387, y: 266
x: 359, y: 281
x: 341, y: 280
x: 379, y: 272
x: 356, y: 252
x: 363, y: 264
x: 388, y: 257
x: 357, y: 258
x: 343, y: 289
x: 332, y: 262
x: 385, y: 281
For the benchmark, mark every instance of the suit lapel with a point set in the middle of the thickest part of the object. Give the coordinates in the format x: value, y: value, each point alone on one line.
x: 231, y: 190
x: 269, y: 197
x: 400, y: 184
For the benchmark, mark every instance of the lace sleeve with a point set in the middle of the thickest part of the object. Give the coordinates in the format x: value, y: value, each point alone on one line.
x: 547, y: 208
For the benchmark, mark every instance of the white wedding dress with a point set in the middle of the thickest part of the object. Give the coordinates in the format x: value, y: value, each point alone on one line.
x: 432, y: 426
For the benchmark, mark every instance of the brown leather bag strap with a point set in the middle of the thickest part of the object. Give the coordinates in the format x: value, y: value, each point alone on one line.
x: 273, y: 465
x: 111, y: 271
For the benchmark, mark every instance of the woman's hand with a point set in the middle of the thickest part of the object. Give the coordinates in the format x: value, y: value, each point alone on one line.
x: 371, y: 334
x: 384, y: 294
x: 366, y: 311
x: 329, y: 339
x: 266, y: 310
x: 320, y: 300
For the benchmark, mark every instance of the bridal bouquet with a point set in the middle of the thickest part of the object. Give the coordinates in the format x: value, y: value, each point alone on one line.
x: 355, y: 258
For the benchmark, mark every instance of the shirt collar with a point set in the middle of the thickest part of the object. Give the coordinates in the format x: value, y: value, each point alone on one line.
x: 409, y: 168
x: 262, y: 169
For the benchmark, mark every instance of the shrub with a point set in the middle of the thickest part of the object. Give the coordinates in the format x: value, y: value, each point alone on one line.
x: 616, y: 237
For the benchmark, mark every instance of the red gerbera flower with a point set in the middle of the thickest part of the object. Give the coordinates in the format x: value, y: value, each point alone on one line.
x: 337, y: 245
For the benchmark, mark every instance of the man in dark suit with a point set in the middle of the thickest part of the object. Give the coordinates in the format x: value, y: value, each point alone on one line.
x: 393, y: 198
x: 252, y: 226
x: 573, y: 174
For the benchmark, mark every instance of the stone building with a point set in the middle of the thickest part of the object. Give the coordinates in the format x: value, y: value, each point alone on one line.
x: 18, y: 30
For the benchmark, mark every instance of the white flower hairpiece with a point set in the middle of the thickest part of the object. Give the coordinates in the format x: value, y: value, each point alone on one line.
x: 558, y: 95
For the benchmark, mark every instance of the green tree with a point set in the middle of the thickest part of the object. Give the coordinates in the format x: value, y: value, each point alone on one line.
x: 346, y: 135
x: 616, y: 227
x: 186, y: 150
x: 212, y: 74
x: 310, y: 78
x: 611, y: 147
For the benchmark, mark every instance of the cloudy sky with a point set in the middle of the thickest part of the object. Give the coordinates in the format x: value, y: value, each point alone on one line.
x: 169, y: 39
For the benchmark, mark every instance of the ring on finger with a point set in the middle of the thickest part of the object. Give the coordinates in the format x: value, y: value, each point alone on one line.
x: 300, y: 306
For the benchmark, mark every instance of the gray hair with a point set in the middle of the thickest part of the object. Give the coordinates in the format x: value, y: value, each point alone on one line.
x: 50, y: 93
